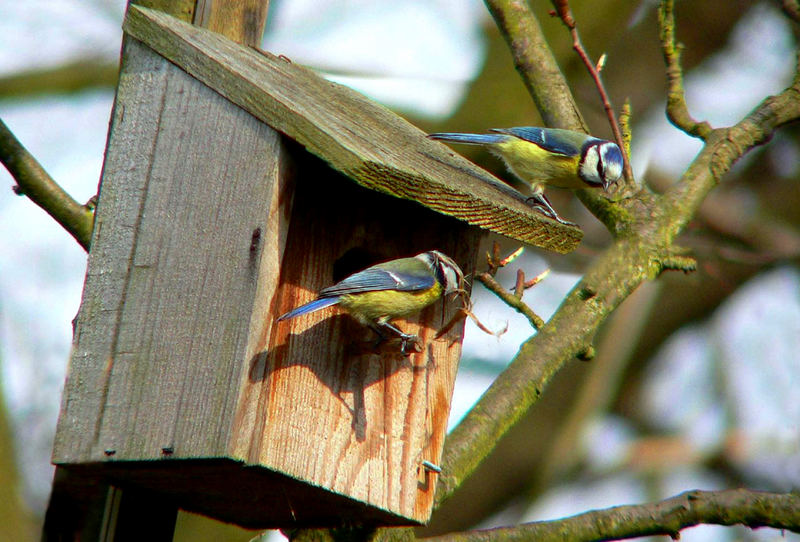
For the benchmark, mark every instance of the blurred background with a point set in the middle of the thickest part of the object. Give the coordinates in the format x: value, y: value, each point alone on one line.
x: 696, y: 378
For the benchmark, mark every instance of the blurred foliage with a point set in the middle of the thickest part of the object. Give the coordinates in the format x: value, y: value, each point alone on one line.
x: 15, y: 518
x: 196, y: 528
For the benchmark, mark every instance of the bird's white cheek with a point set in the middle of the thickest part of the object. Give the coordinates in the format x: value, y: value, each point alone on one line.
x: 588, y: 168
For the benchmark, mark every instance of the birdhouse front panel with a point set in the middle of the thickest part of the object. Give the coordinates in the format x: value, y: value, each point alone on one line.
x: 326, y: 401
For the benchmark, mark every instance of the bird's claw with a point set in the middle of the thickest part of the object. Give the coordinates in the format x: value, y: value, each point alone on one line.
x: 407, y: 340
x: 544, y: 207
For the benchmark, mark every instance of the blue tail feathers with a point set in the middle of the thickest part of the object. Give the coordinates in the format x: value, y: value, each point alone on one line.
x: 315, y: 305
x: 474, y: 139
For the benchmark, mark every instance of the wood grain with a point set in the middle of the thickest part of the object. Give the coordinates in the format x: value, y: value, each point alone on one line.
x: 179, y: 383
x: 322, y: 402
x: 358, y: 137
x: 242, y: 21
x: 173, y: 275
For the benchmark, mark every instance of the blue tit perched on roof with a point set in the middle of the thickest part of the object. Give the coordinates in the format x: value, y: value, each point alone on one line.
x: 390, y: 290
x: 549, y: 156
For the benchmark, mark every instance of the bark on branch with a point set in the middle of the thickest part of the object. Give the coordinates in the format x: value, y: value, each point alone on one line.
x: 731, y: 507
x: 34, y: 182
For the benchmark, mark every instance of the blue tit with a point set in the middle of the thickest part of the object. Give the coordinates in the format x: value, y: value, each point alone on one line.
x: 549, y: 156
x: 390, y: 290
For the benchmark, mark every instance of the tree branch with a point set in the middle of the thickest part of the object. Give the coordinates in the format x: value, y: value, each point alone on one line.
x: 677, y: 110
x: 536, y: 65
x: 74, y: 76
x: 510, y: 299
x: 723, y: 148
x: 731, y: 507
x: 640, y: 253
x: 34, y: 182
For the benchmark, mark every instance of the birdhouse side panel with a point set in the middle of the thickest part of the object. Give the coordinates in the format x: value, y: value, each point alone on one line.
x: 164, y: 368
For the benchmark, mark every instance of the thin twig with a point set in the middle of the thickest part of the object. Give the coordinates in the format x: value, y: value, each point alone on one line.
x: 519, y: 288
x: 565, y: 14
x: 730, y: 507
x: 510, y: 258
x: 34, y: 182
x: 677, y: 110
x: 510, y: 299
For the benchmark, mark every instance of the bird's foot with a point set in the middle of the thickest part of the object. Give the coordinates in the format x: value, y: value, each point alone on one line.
x: 410, y: 344
x: 544, y: 207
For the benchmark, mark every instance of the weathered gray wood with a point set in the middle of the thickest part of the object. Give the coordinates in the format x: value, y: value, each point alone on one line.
x: 370, y: 144
x: 242, y: 21
x: 175, y: 270
x: 179, y: 382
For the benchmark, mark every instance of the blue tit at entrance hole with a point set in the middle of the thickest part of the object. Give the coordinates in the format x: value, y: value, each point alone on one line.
x: 390, y: 290
x: 549, y: 156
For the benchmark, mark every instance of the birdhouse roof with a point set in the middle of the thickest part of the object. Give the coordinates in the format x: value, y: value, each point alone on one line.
x: 373, y: 146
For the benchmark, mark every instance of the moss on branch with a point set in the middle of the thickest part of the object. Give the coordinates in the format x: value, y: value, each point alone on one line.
x: 731, y: 507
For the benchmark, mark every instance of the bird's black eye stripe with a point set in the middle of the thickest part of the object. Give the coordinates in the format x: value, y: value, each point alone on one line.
x: 600, y: 163
x: 441, y: 278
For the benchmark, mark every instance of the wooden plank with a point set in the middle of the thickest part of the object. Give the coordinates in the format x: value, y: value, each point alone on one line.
x: 242, y: 21
x: 187, y: 242
x: 113, y: 243
x: 322, y: 404
x: 360, y: 138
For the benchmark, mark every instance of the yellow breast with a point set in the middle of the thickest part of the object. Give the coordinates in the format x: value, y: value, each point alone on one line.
x: 383, y: 305
x: 537, y: 166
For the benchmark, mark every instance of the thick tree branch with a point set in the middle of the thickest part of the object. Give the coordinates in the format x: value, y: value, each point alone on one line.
x: 34, y: 182
x: 75, y: 76
x: 723, y: 148
x: 536, y: 65
x: 732, y: 507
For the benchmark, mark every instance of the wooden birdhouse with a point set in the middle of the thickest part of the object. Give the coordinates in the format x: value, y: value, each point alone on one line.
x: 236, y: 185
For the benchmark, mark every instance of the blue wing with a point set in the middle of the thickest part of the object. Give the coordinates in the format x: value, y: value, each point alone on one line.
x: 473, y: 139
x: 375, y: 278
x: 557, y: 141
x: 315, y: 305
